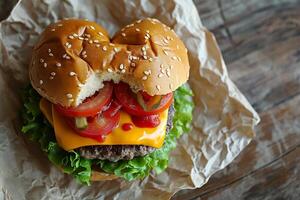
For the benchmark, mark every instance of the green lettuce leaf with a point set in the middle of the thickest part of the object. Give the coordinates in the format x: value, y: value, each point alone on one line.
x: 38, y: 129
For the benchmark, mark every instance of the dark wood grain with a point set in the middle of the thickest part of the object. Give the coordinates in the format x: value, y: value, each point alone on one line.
x: 5, y: 8
x: 260, y: 42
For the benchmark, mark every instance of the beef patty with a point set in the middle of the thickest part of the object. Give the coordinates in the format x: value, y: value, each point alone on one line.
x: 122, y: 152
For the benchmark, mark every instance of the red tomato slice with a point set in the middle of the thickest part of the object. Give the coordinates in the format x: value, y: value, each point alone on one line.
x: 149, y: 121
x: 101, y: 125
x: 130, y: 104
x: 91, y: 106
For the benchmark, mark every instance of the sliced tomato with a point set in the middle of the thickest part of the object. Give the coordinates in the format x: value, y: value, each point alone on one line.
x: 101, y: 125
x: 130, y: 104
x: 91, y: 106
x: 113, y: 109
x: 149, y: 121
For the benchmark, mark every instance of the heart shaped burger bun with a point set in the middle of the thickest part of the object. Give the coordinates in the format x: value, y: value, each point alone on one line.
x: 74, y: 57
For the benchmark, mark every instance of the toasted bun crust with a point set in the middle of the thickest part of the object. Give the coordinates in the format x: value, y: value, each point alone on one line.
x: 101, y: 176
x: 74, y: 57
x: 98, y: 175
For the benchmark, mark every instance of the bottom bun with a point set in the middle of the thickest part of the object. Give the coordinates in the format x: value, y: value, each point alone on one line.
x: 101, y: 176
x: 98, y: 176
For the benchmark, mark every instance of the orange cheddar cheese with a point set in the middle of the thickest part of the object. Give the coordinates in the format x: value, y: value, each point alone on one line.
x: 68, y: 139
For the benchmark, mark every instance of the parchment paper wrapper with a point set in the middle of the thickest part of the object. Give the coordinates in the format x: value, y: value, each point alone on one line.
x: 223, y: 120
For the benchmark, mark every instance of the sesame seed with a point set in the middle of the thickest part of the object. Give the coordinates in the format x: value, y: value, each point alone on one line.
x: 137, y: 29
x: 162, y: 71
x: 121, y: 66
x: 144, y: 78
x: 115, y: 49
x: 104, y: 48
x: 45, y: 65
x: 178, y: 58
x: 67, y: 43
x: 84, y: 56
x: 86, y: 39
x: 100, y: 33
x: 174, y: 58
x: 170, y: 86
x: 111, y: 44
x: 171, y: 66
x: 145, y: 57
x: 161, y: 66
x: 75, y: 35
x: 87, y: 35
x: 71, y: 37
x: 160, y: 75
x: 83, y: 52
x: 168, y: 38
x: 68, y: 57
x: 96, y: 41
x: 72, y: 73
x: 166, y: 41
x: 69, y: 95
x: 165, y: 52
x: 144, y: 48
x: 130, y: 25
x: 80, y: 38
x: 168, y: 73
x: 65, y: 55
x: 144, y: 53
x: 69, y: 46
x: 123, y: 34
x: 97, y: 45
x: 147, y: 72
x: 59, y: 25
x: 51, y: 54
x: 109, y: 70
x: 147, y: 31
x: 132, y: 64
x: 49, y: 50
x: 90, y: 41
x: 123, y: 71
x: 92, y: 27
x: 139, y: 21
x: 148, y: 35
x: 41, y: 82
x: 53, y: 29
x: 52, y: 73
x: 150, y: 59
x: 42, y: 60
x: 51, y: 77
x: 157, y: 87
x: 58, y: 64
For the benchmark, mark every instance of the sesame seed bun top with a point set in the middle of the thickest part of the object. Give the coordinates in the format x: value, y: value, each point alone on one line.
x: 73, y: 58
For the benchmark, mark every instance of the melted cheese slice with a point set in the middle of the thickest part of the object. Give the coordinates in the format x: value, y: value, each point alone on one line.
x: 68, y: 139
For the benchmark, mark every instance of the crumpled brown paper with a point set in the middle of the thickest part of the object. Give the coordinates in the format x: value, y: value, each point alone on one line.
x: 223, y: 120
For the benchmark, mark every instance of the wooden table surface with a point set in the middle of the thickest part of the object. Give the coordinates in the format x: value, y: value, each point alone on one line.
x: 260, y: 41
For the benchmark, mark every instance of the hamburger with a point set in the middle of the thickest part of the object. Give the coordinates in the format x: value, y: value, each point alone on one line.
x: 103, y: 108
